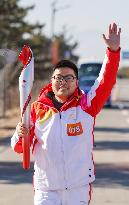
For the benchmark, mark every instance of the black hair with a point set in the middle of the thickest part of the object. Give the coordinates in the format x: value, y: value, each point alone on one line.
x: 66, y: 63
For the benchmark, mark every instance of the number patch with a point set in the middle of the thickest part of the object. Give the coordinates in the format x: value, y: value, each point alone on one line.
x: 74, y: 129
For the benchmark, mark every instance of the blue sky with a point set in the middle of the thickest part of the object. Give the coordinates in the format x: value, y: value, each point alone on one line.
x: 84, y: 21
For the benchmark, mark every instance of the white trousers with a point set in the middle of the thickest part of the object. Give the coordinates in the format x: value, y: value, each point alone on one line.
x: 76, y: 196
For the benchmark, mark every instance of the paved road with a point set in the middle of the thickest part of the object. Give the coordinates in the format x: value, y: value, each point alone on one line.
x: 111, y: 156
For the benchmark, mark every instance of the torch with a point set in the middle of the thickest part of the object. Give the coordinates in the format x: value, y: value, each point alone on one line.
x: 25, y: 86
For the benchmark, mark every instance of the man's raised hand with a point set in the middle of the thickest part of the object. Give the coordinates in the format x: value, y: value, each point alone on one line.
x: 112, y: 39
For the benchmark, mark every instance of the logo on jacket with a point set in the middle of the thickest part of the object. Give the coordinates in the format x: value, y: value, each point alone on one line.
x: 74, y: 129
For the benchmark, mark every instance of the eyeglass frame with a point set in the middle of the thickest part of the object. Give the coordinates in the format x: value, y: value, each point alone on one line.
x: 64, y: 78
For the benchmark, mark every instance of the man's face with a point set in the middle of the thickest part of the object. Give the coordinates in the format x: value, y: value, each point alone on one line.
x: 64, y: 87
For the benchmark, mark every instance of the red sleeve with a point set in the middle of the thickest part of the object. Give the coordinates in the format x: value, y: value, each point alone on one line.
x: 100, y: 91
x: 32, y: 123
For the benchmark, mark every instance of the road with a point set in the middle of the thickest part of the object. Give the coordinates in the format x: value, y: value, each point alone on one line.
x: 111, y: 156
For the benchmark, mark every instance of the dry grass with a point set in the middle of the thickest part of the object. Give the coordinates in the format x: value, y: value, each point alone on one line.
x: 9, y: 122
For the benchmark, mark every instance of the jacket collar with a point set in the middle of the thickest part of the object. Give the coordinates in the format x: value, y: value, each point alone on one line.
x: 44, y: 93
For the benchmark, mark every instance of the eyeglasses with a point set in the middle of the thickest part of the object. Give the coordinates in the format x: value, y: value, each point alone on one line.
x: 67, y: 78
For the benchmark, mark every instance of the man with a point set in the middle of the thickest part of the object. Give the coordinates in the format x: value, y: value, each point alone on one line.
x: 61, y: 132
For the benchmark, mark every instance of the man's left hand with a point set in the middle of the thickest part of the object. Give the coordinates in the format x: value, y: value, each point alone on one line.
x: 113, y: 37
